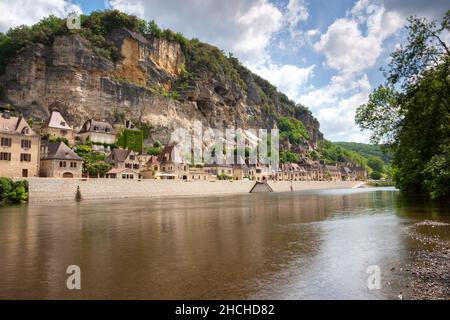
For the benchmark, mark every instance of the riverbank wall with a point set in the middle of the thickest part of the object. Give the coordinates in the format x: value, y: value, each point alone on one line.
x: 50, y: 189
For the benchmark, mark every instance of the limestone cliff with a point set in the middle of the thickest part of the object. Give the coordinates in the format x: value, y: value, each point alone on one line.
x: 69, y: 76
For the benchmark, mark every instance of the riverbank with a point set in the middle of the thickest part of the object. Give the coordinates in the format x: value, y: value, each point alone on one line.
x: 48, y: 189
x: 430, y: 264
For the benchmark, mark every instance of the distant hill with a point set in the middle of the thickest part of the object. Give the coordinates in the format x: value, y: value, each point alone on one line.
x: 366, y: 150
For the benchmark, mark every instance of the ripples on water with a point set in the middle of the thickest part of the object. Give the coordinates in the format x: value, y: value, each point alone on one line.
x: 302, y: 245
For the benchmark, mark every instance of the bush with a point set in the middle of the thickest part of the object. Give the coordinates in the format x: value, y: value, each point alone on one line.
x: 375, y: 175
x: 224, y: 176
x: 292, y: 129
x: 154, y: 151
x: 98, y: 168
x: 59, y: 139
x: 13, y: 191
x: 289, y: 157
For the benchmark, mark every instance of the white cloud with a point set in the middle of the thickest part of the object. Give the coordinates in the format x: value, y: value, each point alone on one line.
x: 338, y: 122
x: 297, y: 11
x: 334, y: 106
x: 244, y: 27
x: 344, y: 45
x: 19, y: 12
x: 351, y: 45
x: 289, y: 79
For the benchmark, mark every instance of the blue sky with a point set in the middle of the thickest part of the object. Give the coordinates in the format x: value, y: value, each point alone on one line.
x: 323, y: 54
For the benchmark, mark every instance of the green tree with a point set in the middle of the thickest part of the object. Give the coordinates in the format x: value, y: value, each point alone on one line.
x: 376, y: 175
x: 376, y: 164
x: 98, y: 168
x: 292, y: 129
x: 289, y: 157
x: 411, y: 111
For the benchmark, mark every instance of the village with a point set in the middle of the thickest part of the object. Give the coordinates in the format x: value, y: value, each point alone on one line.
x: 100, y: 150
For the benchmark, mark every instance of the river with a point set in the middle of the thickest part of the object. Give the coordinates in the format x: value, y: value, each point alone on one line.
x: 299, y: 245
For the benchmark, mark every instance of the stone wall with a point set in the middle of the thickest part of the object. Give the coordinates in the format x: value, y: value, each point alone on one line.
x: 50, y: 189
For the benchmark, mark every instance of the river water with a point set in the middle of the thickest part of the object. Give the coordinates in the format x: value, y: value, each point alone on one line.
x: 298, y: 245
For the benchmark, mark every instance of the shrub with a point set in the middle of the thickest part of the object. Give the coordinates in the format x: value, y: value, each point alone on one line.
x: 292, y: 129
x: 375, y: 175
x: 13, y: 191
x: 224, y: 176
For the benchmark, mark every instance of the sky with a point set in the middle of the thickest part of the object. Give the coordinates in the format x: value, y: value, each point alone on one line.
x: 323, y: 54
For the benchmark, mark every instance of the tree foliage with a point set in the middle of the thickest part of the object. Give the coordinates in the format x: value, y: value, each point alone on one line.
x: 13, y: 191
x: 411, y: 111
x: 292, y: 129
x: 333, y: 153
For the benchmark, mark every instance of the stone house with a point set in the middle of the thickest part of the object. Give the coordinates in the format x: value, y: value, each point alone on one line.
x: 197, y: 173
x: 348, y: 174
x: 56, y: 126
x: 315, y: 172
x: 122, y: 173
x: 125, y: 163
x: 240, y: 171
x: 97, y: 132
x: 260, y: 172
x: 150, y: 168
x: 19, y: 148
x: 215, y: 170
x: 59, y: 161
x: 292, y: 172
x: 360, y: 173
x: 171, y: 166
x: 332, y: 172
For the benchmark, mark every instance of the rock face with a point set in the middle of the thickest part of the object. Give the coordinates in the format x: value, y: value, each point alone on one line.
x: 69, y: 77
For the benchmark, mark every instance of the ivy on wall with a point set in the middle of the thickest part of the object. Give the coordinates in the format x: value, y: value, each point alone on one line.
x: 131, y: 139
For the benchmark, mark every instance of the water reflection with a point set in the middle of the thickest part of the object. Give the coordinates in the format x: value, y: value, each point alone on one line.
x: 280, y: 245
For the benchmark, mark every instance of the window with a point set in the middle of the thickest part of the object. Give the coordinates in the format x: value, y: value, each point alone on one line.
x: 128, y: 165
x: 135, y: 166
x: 25, y: 157
x: 124, y: 176
x: 132, y: 157
x: 6, y: 156
x: 26, y: 144
x: 62, y: 164
x: 73, y: 164
x: 6, y: 142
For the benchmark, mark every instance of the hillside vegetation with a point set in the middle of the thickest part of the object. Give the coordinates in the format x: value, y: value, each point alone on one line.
x: 367, y: 150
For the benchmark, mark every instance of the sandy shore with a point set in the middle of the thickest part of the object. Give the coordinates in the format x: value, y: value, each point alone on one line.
x: 49, y: 189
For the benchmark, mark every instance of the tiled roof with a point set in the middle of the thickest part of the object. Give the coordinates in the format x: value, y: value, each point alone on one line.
x: 15, y: 125
x: 97, y: 126
x: 331, y: 168
x: 153, y: 160
x: 58, y: 151
x: 166, y: 154
x: 120, y: 170
x: 56, y: 120
x: 119, y: 154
